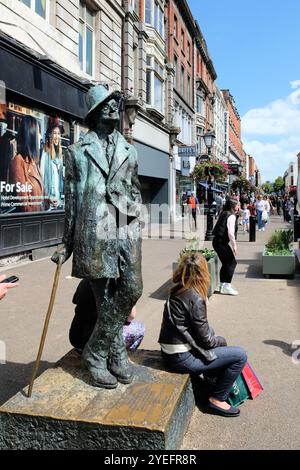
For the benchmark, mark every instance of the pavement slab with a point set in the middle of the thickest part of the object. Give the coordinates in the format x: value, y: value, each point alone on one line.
x: 264, y: 318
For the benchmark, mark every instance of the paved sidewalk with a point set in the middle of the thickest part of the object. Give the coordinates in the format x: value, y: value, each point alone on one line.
x: 264, y: 318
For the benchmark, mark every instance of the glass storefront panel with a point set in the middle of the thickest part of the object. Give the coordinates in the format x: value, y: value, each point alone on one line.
x: 32, y: 147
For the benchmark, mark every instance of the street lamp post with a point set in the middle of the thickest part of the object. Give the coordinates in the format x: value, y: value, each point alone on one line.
x: 209, y: 139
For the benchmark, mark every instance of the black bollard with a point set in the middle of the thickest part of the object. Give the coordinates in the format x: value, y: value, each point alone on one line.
x: 252, y: 228
x: 296, y: 228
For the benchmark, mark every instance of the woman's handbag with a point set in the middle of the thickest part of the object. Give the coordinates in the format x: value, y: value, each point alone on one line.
x: 264, y: 216
x: 246, y: 386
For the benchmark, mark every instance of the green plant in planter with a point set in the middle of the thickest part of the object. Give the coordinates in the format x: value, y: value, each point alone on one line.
x: 280, y: 243
x: 193, y: 246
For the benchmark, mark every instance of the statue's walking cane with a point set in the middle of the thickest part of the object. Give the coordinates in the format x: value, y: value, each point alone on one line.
x: 45, y: 329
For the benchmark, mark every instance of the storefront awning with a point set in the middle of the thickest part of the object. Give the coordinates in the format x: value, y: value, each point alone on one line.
x: 25, y: 75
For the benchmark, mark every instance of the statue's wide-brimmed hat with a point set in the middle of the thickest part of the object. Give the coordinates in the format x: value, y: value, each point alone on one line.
x: 97, y: 95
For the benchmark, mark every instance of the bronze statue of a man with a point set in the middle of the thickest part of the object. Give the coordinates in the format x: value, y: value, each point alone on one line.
x: 103, y: 232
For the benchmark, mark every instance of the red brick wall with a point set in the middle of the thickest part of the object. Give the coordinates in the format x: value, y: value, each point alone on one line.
x: 234, y: 128
x: 174, y: 46
x: 251, y: 166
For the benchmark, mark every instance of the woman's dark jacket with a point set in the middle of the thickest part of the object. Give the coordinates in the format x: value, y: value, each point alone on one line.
x: 185, y: 321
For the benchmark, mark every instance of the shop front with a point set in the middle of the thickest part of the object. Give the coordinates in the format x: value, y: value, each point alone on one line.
x: 41, y: 113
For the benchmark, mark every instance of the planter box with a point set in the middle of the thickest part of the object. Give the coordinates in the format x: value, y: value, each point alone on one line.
x: 213, y: 268
x: 278, y: 265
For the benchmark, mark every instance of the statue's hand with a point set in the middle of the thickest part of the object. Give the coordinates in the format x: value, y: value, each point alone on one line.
x: 60, y: 256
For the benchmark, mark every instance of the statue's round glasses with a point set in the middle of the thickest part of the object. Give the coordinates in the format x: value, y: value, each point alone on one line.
x: 113, y: 106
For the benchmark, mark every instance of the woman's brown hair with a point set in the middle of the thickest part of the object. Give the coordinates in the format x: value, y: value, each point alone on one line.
x: 49, y: 145
x: 191, y: 273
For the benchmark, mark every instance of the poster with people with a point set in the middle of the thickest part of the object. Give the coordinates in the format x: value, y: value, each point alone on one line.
x: 32, y: 146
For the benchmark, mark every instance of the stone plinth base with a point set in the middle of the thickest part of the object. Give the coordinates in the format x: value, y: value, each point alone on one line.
x: 66, y: 412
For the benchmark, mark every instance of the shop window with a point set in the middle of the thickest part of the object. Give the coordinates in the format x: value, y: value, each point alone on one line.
x: 32, y: 148
x: 39, y: 6
x: 86, y: 39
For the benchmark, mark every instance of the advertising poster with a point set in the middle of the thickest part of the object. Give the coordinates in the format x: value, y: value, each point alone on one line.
x: 32, y: 147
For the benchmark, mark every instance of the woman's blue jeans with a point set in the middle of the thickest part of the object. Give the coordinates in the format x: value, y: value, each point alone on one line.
x: 226, y: 368
x: 260, y: 223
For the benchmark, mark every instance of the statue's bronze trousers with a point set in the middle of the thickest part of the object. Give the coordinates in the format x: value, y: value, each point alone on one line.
x: 115, y: 299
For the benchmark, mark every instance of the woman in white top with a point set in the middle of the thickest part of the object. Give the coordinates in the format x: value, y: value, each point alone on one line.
x: 260, y: 206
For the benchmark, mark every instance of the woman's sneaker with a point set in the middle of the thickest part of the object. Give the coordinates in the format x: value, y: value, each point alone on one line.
x: 228, y: 291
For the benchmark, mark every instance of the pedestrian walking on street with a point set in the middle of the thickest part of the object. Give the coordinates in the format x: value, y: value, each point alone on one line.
x: 279, y: 205
x: 183, y: 203
x: 260, y: 207
x: 224, y: 243
x: 245, y: 218
x: 189, y: 344
x: 219, y: 204
x: 193, y: 207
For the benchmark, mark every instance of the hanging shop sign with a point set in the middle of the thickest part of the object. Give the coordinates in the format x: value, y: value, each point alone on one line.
x: 187, y: 151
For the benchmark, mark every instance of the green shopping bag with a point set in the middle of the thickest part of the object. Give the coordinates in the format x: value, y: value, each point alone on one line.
x: 239, y: 392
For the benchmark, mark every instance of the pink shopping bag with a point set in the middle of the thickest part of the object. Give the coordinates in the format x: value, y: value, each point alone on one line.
x: 253, y: 384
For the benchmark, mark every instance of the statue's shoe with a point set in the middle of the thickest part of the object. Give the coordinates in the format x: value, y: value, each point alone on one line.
x: 103, y: 378
x: 123, y: 371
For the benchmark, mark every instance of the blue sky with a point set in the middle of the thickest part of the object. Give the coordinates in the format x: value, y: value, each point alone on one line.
x: 255, y: 48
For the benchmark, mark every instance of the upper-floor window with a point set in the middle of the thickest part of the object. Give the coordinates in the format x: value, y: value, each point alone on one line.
x: 189, y: 51
x: 39, y: 6
x: 189, y: 89
x: 175, y: 27
x: 86, y: 39
x: 176, y: 71
x: 182, y: 40
x: 135, y: 5
x: 154, y: 15
x: 154, y: 83
x: 182, y: 78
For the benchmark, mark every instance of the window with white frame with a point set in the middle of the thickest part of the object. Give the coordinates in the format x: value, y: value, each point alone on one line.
x: 200, y: 144
x: 199, y: 104
x: 86, y: 38
x: 154, y: 15
x: 154, y: 83
x: 39, y: 6
x: 135, y: 5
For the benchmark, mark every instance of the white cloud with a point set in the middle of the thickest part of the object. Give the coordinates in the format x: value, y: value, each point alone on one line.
x: 295, y: 84
x: 272, y: 134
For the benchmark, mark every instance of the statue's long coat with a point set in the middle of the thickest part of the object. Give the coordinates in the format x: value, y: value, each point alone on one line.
x: 93, y: 192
